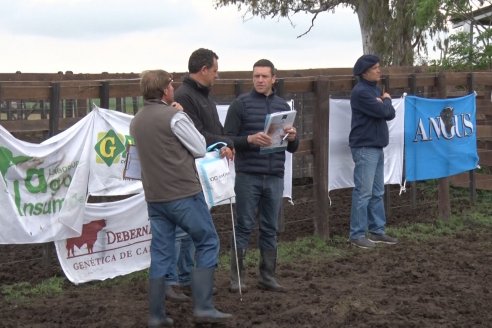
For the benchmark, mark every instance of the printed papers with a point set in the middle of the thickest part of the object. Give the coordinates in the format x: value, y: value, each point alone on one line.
x: 132, y: 169
x: 275, y: 124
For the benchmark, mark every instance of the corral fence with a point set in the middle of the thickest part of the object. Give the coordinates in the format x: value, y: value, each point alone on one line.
x: 34, y: 107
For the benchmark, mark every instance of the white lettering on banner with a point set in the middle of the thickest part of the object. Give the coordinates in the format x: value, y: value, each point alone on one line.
x: 461, y: 126
x: 121, y: 236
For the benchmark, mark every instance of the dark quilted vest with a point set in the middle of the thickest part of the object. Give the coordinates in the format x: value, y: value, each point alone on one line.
x: 256, y: 106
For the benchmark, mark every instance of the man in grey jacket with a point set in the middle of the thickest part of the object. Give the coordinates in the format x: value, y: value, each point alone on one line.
x: 167, y: 144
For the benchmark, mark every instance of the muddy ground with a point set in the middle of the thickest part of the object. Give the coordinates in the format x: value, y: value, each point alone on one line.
x: 441, y: 282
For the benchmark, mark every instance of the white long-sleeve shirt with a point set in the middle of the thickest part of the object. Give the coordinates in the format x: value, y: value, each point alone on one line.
x: 184, y: 129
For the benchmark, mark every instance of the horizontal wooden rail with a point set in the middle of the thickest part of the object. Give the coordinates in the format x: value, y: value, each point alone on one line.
x: 482, y: 181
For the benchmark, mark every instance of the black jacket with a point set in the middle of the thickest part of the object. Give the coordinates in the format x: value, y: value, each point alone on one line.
x: 202, y: 110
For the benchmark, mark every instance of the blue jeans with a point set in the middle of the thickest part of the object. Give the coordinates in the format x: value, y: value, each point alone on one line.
x: 193, y: 216
x: 180, y: 271
x: 367, y: 213
x: 262, y: 195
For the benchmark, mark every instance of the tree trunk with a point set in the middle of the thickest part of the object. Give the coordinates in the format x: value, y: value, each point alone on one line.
x: 373, y: 17
x: 377, y: 19
x: 366, y: 28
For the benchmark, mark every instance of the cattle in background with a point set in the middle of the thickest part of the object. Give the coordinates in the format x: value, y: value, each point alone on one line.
x: 88, y: 236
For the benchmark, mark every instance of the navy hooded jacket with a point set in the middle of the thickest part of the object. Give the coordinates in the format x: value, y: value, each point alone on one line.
x: 369, y: 116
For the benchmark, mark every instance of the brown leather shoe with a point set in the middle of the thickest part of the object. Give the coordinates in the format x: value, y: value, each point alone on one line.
x: 175, y: 296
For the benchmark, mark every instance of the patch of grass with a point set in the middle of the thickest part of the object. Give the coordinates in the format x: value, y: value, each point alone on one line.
x: 310, y: 248
x: 419, y: 231
x: 484, y: 219
x: 23, y: 291
x: 251, y: 259
x: 123, y: 280
x: 478, y: 215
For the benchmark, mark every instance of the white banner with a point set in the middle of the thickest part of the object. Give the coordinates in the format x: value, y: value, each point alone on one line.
x: 44, y: 186
x: 340, y: 163
x: 110, y: 139
x: 115, y: 241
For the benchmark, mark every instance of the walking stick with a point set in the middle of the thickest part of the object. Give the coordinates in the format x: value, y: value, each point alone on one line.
x: 235, y: 250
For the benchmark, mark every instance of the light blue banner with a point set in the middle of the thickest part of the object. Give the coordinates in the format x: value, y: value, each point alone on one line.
x: 440, y: 137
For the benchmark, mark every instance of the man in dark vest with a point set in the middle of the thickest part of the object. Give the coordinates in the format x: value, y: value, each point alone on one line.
x: 259, y: 176
x: 168, y: 143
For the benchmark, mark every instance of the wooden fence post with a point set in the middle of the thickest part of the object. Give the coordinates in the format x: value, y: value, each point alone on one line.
x: 81, y: 107
x: 387, y: 189
x: 238, y: 88
x: 279, y: 86
x: 320, y: 154
x: 470, y: 81
x: 7, y: 105
x: 444, y: 203
x: 104, y: 94
x: 54, y: 108
x: 412, y: 83
x: 135, y: 105
x: 52, y: 130
x: 118, y: 106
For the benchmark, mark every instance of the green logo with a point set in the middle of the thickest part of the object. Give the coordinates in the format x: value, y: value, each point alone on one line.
x: 7, y: 159
x: 109, y: 148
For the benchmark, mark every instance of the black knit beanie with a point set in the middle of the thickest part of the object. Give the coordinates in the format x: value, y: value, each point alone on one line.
x: 364, y: 63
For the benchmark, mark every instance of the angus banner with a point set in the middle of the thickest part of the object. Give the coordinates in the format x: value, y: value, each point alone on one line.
x: 440, y: 137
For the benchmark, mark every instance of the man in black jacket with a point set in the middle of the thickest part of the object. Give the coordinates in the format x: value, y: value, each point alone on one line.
x: 259, y: 176
x: 194, y: 96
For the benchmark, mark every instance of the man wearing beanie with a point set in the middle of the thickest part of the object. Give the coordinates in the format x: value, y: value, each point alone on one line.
x: 369, y: 134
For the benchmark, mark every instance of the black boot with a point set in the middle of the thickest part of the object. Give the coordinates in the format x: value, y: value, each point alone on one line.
x: 234, y: 287
x: 187, y: 290
x: 204, y: 310
x: 157, y: 305
x: 268, y: 264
